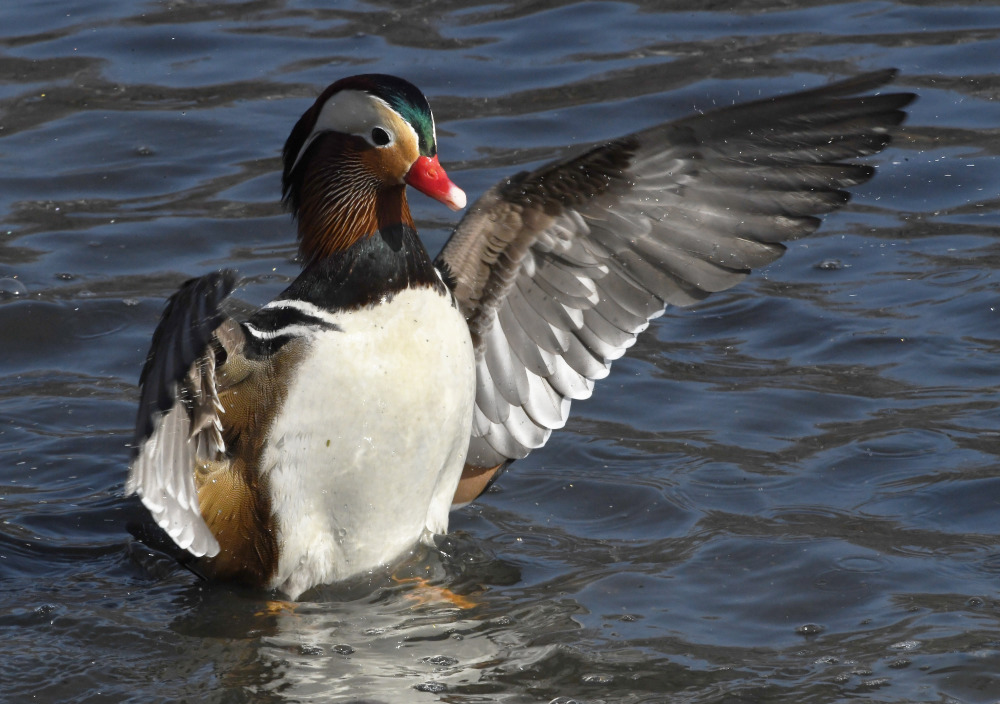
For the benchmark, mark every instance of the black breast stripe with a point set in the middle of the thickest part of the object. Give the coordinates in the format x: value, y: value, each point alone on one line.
x: 273, y: 326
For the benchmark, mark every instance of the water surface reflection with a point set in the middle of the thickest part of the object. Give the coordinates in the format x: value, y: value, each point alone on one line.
x: 787, y: 495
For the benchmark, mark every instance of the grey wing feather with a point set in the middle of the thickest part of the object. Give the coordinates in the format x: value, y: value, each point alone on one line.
x: 559, y: 269
x: 179, y: 411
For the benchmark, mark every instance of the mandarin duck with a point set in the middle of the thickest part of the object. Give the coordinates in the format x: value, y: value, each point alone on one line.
x: 335, y: 427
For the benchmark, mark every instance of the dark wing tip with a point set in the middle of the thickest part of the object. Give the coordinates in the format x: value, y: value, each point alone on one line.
x: 190, y: 317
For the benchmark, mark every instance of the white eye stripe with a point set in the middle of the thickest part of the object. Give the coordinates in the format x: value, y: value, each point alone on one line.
x: 358, y: 113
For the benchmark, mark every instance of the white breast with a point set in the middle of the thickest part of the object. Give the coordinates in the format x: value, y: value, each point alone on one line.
x: 368, y: 448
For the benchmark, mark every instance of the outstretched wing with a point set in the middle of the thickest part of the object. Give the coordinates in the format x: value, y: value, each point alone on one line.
x: 178, y: 419
x: 559, y: 269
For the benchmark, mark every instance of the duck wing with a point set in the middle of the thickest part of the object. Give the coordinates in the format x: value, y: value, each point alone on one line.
x: 179, y: 409
x: 557, y: 270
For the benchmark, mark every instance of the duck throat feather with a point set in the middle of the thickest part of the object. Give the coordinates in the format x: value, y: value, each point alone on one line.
x: 340, y: 193
x: 369, y: 271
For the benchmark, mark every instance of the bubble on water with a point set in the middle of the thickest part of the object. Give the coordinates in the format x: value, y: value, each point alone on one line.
x: 343, y: 649
x: 830, y: 265
x: 432, y: 687
x: 809, y: 629
x: 11, y: 288
x: 441, y: 660
x: 597, y: 679
x: 65, y: 276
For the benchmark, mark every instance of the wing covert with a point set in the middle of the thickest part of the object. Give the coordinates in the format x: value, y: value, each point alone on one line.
x: 178, y: 419
x: 558, y: 270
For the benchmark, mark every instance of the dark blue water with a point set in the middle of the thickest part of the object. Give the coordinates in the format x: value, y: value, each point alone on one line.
x: 787, y: 494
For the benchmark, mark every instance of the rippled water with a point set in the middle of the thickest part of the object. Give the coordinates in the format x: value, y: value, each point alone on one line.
x: 787, y: 494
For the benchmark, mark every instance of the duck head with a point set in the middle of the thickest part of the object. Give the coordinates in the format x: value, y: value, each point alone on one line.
x: 350, y: 156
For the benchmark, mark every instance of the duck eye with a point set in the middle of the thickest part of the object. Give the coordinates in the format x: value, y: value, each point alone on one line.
x: 380, y: 137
